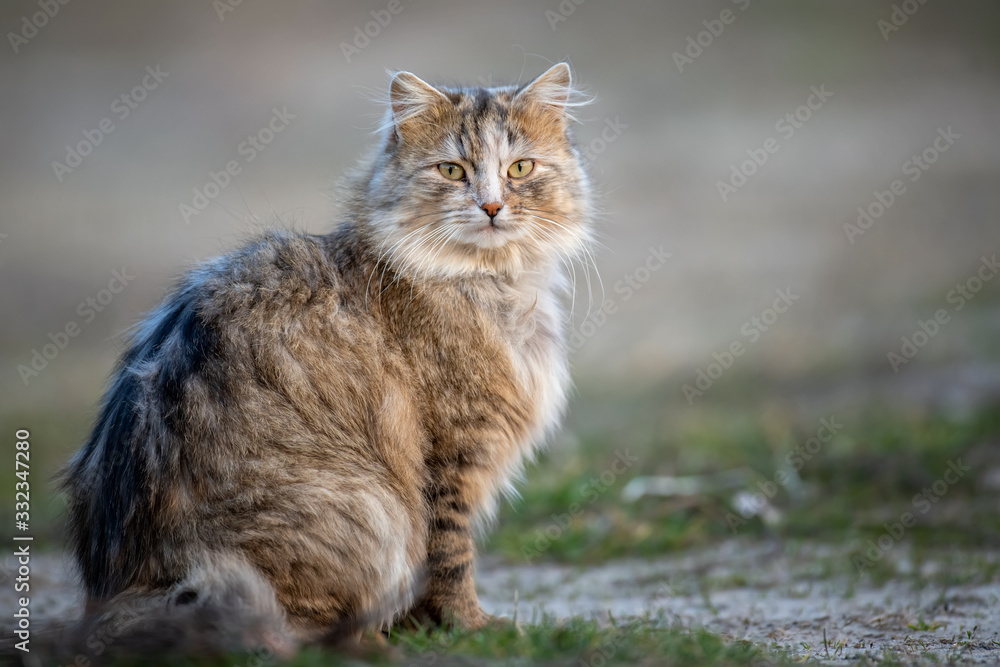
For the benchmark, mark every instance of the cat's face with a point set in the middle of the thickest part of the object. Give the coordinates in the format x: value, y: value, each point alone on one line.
x: 479, y: 180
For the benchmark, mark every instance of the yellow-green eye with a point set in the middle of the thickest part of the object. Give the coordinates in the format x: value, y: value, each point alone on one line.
x: 451, y: 171
x: 521, y: 168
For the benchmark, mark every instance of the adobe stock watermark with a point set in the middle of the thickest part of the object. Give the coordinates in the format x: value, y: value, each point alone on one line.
x: 248, y: 150
x: 104, y: 637
x: 122, y: 107
x: 914, y: 167
x: 565, y: 10
x: 87, y: 311
x: 786, y: 127
x: 922, y: 503
x: 363, y: 35
x: 898, y: 17
x: 263, y: 655
x: 958, y: 297
x: 796, y: 459
x: 30, y: 25
x: 609, y: 134
x: 223, y: 7
x: 696, y: 44
x: 604, y: 653
x: 674, y: 586
x: 626, y: 287
x: 590, y: 491
x: 752, y: 330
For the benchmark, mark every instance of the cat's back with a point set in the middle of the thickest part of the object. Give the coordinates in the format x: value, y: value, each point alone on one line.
x: 230, y: 323
x: 249, y: 350
x: 276, y: 330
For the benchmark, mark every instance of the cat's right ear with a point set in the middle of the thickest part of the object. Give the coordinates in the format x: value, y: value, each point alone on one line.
x: 411, y: 100
x: 551, y: 91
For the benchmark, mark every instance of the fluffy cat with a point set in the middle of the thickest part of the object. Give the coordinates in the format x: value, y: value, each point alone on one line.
x: 330, y: 418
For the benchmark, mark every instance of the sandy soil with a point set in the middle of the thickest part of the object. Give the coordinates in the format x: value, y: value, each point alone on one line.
x: 771, y: 598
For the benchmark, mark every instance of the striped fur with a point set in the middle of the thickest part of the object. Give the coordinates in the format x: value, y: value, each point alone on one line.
x: 337, y: 414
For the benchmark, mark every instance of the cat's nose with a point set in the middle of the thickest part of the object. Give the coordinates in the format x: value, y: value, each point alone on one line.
x: 492, y: 209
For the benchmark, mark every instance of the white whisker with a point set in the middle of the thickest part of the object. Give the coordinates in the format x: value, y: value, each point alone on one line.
x: 590, y: 261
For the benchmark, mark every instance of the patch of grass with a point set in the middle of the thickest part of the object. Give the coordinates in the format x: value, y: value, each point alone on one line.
x: 642, y: 641
x: 878, y: 468
x: 636, y: 642
x: 920, y: 625
x: 573, y: 517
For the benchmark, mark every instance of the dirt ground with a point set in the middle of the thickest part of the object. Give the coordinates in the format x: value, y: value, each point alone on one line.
x: 780, y: 600
x: 743, y: 590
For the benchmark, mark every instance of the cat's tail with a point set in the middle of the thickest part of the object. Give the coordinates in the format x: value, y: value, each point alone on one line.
x: 223, y: 606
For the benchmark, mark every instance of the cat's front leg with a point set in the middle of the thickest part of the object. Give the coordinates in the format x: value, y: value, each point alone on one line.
x: 449, y: 596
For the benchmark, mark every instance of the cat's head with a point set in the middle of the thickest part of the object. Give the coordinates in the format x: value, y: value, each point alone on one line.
x: 479, y: 180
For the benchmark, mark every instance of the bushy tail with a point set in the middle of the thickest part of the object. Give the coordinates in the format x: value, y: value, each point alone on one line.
x: 224, y: 606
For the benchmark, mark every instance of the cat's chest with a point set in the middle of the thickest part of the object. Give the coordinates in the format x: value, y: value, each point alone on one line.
x: 528, y: 329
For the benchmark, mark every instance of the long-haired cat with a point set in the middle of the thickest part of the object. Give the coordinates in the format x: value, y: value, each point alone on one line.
x: 327, y: 419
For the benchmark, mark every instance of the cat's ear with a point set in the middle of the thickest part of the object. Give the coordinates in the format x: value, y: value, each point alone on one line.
x: 411, y: 97
x: 550, y: 91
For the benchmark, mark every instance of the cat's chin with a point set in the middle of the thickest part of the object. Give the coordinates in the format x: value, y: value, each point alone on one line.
x: 491, y: 236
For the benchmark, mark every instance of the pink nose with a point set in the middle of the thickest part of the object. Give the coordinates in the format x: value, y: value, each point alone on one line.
x: 492, y: 208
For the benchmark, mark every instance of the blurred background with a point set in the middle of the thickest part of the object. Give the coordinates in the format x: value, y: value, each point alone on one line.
x: 731, y: 144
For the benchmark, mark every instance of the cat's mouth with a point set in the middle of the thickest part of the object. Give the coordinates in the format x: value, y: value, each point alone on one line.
x: 491, y: 234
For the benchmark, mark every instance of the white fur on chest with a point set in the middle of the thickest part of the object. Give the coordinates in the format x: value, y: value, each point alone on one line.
x: 528, y: 319
x: 533, y: 329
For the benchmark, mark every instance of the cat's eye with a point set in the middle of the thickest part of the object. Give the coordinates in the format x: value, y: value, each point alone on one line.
x: 451, y: 171
x: 521, y: 168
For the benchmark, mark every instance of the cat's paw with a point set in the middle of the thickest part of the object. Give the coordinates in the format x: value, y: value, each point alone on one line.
x: 467, y: 617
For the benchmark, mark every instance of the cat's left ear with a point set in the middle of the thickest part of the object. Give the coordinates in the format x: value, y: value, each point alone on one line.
x: 550, y: 91
x: 410, y: 98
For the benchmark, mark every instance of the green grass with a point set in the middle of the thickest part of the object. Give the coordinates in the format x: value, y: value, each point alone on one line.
x: 645, y: 641
x: 920, y: 625
x: 868, y: 475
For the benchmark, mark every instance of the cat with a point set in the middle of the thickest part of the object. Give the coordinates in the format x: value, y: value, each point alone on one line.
x: 332, y: 419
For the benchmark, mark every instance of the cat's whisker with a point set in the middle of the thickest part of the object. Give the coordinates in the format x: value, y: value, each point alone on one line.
x: 555, y: 214
x: 398, y: 245
x: 412, y: 251
x: 568, y: 259
x: 379, y: 260
x: 586, y: 249
x: 453, y: 231
x: 592, y: 261
x: 438, y: 237
x: 444, y: 239
x: 387, y: 264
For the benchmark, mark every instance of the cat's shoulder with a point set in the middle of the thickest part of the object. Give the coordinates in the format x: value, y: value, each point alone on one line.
x: 276, y: 270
